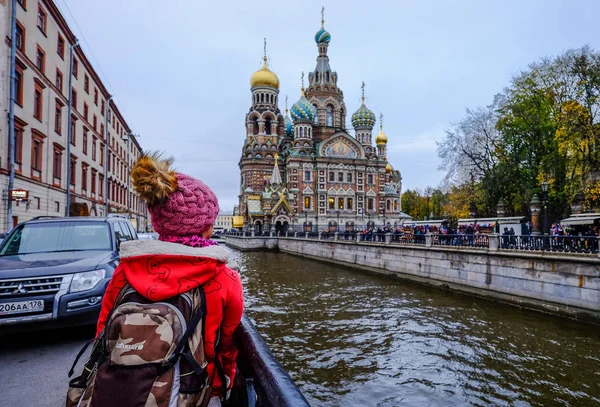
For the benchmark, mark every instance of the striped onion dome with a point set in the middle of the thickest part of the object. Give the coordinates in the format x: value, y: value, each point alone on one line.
x: 322, y: 36
x: 303, y: 110
x: 363, y: 118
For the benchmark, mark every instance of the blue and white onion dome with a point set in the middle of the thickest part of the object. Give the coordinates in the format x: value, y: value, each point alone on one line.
x: 363, y: 117
x: 303, y: 110
x: 322, y: 36
x: 289, y: 126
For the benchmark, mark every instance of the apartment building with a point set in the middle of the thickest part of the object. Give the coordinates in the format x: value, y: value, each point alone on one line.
x: 44, y: 154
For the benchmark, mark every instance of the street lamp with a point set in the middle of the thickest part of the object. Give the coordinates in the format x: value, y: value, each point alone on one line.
x: 545, y: 203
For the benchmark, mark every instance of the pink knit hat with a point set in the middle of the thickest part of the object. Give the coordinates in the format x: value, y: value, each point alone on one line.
x: 180, y: 206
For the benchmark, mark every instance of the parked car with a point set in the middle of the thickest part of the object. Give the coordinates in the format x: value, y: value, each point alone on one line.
x: 54, y: 271
x: 148, y: 236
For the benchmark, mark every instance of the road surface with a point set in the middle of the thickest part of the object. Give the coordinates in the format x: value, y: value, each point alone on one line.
x: 34, y: 366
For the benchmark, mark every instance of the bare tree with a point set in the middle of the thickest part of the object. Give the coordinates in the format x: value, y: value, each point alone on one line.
x: 469, y: 149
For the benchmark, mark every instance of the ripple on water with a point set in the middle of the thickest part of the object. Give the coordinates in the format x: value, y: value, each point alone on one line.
x: 354, y: 339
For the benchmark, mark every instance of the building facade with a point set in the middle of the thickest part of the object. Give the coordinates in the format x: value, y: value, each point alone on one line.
x: 42, y: 71
x: 308, y: 172
x: 224, y: 222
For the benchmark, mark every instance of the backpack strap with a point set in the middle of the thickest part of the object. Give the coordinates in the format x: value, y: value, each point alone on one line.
x: 81, y: 352
x: 182, y: 348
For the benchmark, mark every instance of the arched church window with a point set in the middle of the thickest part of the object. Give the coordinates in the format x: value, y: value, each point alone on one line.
x: 258, y: 157
x: 388, y: 205
x: 249, y: 155
x: 268, y: 125
x: 301, y: 131
x: 262, y: 98
x: 317, y: 77
x: 255, y: 126
x: 395, y: 205
x: 329, y: 115
x: 327, y: 76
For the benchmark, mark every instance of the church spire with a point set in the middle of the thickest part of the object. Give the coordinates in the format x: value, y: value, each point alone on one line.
x: 275, y: 176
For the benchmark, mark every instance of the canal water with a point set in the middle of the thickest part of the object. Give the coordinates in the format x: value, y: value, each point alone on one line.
x: 355, y: 339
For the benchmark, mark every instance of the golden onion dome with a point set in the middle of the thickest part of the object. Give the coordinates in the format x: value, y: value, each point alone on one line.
x: 381, y: 138
x: 264, y: 77
x: 388, y: 168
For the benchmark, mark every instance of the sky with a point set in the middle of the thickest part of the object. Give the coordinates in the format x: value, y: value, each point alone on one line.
x: 180, y: 69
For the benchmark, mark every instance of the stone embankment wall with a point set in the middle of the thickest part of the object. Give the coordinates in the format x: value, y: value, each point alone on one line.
x: 565, y: 284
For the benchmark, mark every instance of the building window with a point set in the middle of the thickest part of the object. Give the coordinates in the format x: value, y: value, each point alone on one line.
x: 100, y: 184
x: 96, y: 96
x: 102, y: 129
x: 340, y: 176
x: 329, y: 115
x: 57, y: 206
x: 60, y: 46
x: 370, y: 204
x: 94, y: 148
x: 36, y: 153
x: 85, y: 111
x: 349, y: 177
x: 93, y: 181
x: 58, y: 117
x: 101, y: 155
x: 19, y: 86
x: 40, y: 60
x: 307, y: 202
x: 42, y: 19
x: 255, y: 126
x: 370, y: 179
x: 20, y: 37
x: 331, y: 176
x: 307, y: 176
x: 85, y: 141
x: 57, y: 163
x: 59, y: 80
x: 18, y: 144
x: 86, y: 84
x: 84, y: 171
x: 395, y: 205
x: 75, y: 67
x: 102, y: 108
x: 268, y: 126
x: 73, y: 131
x: 331, y: 203
x: 73, y: 164
x: 340, y: 203
x: 74, y: 98
x: 37, y: 102
x: 349, y: 203
x: 95, y: 122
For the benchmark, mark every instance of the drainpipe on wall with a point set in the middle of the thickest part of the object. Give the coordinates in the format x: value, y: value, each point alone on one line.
x: 11, y: 113
x: 106, y: 153
x: 70, y: 128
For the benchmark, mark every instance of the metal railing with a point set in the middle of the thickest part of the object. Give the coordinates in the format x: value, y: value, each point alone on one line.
x: 479, y: 240
x: 561, y: 244
x: 558, y: 244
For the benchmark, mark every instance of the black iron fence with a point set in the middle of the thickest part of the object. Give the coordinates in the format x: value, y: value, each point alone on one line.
x: 479, y: 240
x: 559, y: 244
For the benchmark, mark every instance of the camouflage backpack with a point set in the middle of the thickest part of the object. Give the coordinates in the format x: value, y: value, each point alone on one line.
x: 149, y: 354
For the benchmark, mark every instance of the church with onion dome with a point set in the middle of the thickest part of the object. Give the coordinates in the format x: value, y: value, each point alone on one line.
x: 308, y: 170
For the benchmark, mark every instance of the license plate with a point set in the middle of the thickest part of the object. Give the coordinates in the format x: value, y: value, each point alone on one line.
x: 21, y: 307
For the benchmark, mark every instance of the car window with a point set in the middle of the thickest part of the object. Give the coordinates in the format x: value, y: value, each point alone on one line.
x: 119, y: 235
x: 134, y: 235
x: 126, y: 230
x: 49, y: 237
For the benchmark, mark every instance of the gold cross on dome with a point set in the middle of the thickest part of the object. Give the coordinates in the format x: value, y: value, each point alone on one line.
x: 363, y: 91
x: 323, y: 17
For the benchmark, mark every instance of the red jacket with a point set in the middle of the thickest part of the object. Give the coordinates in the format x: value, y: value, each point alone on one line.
x: 160, y: 270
